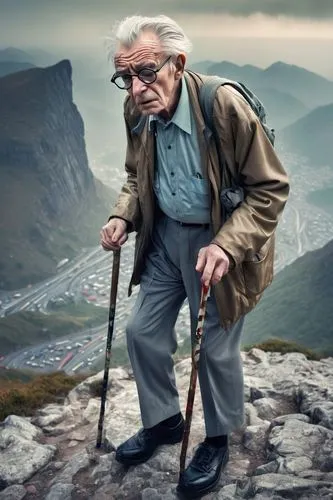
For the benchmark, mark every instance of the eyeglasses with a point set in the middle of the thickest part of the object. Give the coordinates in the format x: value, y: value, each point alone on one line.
x: 146, y: 75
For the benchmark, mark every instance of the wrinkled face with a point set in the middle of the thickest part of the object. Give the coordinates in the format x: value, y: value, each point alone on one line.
x: 161, y: 96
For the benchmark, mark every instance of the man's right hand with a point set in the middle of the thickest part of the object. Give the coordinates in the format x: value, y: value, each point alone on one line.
x: 114, y: 234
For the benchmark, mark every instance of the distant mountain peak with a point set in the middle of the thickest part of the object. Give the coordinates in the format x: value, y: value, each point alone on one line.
x: 14, y: 54
x: 281, y: 66
x: 63, y: 66
x: 59, y: 74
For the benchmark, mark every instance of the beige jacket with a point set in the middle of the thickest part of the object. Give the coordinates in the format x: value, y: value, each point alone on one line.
x: 248, y: 235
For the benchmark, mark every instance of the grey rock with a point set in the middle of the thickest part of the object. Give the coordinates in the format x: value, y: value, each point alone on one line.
x: 15, y: 492
x: 267, y: 408
x: 78, y: 435
x: 52, y: 415
x: 281, y: 420
x: 108, y: 469
x: 325, y: 459
x: 254, y: 437
x: 226, y: 493
x: 323, y: 414
x: 60, y: 492
x: 78, y: 462
x: 72, y: 444
x: 267, y: 468
x: 31, y: 489
x: 153, y: 494
x: 315, y: 398
x: 21, y: 457
x: 84, y: 391
x: 251, y: 415
x: 150, y: 494
x: 55, y: 466
x: 59, y: 429
x: 91, y: 412
x: 293, y: 465
x: 257, y: 387
x: 258, y: 356
x: 314, y: 474
x: 21, y: 426
x: 106, y: 492
x: 280, y: 484
x: 299, y: 439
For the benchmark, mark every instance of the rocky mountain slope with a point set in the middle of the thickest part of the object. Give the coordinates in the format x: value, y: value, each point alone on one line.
x: 284, y: 450
x: 311, y: 136
x: 298, y: 304
x: 50, y: 203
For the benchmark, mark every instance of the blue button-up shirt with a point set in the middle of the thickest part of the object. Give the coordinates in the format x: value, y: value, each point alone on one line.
x: 180, y: 188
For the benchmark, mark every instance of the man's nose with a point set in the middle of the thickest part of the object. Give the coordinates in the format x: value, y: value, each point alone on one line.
x: 138, y: 86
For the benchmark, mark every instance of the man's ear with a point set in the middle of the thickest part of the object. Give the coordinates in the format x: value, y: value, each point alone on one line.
x: 180, y: 65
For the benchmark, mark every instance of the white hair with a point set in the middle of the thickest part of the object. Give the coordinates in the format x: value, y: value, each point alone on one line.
x: 171, y: 35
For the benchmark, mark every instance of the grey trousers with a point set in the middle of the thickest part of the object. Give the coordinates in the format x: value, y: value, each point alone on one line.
x: 169, y: 278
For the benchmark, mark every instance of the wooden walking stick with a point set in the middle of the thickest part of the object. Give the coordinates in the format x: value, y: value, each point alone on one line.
x: 196, y: 344
x: 112, y: 312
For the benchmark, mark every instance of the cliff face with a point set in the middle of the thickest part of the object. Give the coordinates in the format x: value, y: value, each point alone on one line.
x: 50, y: 202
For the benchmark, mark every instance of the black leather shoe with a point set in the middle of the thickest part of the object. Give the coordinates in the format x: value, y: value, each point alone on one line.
x: 204, y: 471
x: 140, y: 447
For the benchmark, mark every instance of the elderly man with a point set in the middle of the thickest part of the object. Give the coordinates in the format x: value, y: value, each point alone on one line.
x: 172, y: 200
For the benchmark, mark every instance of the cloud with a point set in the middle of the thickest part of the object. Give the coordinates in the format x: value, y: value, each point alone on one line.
x: 313, y: 9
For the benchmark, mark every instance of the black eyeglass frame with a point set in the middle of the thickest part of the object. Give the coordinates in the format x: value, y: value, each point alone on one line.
x: 139, y: 75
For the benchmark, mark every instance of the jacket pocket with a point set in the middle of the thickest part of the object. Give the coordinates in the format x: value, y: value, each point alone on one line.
x: 258, y: 269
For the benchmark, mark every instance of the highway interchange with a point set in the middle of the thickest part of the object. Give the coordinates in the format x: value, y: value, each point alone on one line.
x: 87, y: 278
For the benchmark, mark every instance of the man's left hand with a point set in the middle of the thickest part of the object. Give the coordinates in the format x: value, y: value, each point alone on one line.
x: 213, y: 263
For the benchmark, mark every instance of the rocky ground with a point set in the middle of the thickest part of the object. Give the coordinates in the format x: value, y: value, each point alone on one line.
x: 285, y: 449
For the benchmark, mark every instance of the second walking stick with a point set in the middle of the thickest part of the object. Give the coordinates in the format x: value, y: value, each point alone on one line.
x: 194, y: 373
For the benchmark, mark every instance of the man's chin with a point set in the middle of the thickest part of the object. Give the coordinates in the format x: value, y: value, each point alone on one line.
x: 149, y: 108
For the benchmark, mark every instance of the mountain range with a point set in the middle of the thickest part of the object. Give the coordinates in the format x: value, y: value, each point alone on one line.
x: 37, y: 57
x: 305, y: 86
x: 299, y: 104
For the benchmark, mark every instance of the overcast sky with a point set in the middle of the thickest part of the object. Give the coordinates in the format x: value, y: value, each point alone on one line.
x: 243, y: 31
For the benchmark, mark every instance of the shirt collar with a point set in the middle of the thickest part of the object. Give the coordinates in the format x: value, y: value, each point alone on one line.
x: 182, y: 115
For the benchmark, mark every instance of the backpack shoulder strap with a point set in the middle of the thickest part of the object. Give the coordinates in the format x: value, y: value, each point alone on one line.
x: 206, y: 99
x: 207, y: 95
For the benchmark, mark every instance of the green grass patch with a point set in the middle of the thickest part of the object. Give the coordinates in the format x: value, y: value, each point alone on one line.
x: 22, y: 393
x: 283, y: 346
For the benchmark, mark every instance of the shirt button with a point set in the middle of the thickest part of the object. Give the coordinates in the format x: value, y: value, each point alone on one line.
x: 172, y: 174
x: 169, y: 147
x: 173, y: 194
